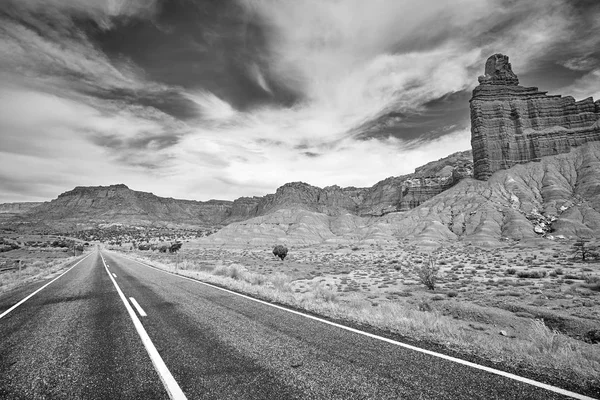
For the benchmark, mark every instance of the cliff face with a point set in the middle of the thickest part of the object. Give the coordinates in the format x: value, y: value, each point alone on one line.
x: 556, y: 198
x: 119, y: 204
x: 390, y: 195
x: 88, y: 206
x: 512, y: 124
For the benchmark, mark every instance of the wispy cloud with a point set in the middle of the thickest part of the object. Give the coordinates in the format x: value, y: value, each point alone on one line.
x: 334, y: 92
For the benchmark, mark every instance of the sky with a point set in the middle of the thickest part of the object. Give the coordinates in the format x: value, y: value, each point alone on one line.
x: 218, y: 99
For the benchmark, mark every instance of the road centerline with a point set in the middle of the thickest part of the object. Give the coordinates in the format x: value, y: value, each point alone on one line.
x: 137, y: 306
x: 172, y: 387
x: 115, y: 275
x: 5, y: 313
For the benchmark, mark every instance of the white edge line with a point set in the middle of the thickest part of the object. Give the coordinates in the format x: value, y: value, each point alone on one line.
x: 34, y: 293
x: 172, y: 387
x: 384, y: 339
x: 137, y: 306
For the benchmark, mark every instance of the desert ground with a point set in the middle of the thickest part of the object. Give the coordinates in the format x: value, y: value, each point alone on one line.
x: 33, y: 257
x: 535, y: 307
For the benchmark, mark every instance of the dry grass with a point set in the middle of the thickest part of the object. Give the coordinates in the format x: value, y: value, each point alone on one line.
x: 448, y: 316
x: 31, y: 270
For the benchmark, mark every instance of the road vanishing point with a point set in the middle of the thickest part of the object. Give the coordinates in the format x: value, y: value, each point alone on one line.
x: 110, y: 327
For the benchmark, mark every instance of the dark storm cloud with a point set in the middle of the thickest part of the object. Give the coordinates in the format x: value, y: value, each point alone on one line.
x: 434, y: 119
x: 213, y: 45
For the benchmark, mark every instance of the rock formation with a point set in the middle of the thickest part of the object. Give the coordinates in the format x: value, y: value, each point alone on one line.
x: 118, y: 204
x: 512, y: 124
x: 555, y: 199
x: 393, y: 194
x: 85, y: 206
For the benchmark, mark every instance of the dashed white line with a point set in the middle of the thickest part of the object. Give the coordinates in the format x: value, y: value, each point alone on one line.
x: 115, y: 275
x: 508, y: 375
x: 139, y: 309
x: 32, y: 294
x: 172, y: 387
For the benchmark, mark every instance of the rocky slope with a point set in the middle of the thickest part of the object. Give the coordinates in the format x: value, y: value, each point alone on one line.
x: 392, y: 194
x: 119, y: 204
x: 512, y: 124
x: 554, y: 199
x: 89, y: 206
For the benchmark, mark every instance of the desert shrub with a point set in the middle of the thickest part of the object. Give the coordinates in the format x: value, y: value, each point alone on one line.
x: 584, y: 250
x: 425, y: 306
x: 175, y: 247
x: 545, y: 339
x: 452, y: 293
x: 233, y: 271
x: 593, y: 336
x: 144, y: 247
x: 588, y: 278
x: 280, y: 251
x: 531, y: 274
x: 280, y: 282
x: 428, y: 273
x: 511, y: 271
x: 324, y: 293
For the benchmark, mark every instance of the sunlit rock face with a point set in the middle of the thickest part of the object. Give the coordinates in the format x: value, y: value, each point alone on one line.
x: 512, y: 124
x: 393, y: 194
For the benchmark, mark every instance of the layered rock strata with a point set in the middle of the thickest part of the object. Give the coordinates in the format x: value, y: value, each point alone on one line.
x: 393, y: 194
x: 512, y: 124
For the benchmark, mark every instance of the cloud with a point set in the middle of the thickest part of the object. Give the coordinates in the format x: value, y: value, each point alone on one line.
x: 334, y: 92
x: 582, y: 63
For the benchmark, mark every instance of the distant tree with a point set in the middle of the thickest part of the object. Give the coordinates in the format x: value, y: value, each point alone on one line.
x: 585, y: 250
x: 428, y: 272
x: 280, y: 251
x: 175, y: 247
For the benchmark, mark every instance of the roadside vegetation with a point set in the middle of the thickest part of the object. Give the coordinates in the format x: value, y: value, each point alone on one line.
x: 537, y: 311
x: 30, y: 270
x: 25, y: 258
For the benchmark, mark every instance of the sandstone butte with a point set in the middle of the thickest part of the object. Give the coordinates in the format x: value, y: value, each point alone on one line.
x: 512, y: 124
x: 533, y: 182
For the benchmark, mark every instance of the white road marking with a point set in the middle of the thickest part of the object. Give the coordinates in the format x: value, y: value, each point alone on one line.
x: 139, y: 309
x: 165, y: 375
x: 115, y: 275
x: 508, y: 375
x: 32, y: 294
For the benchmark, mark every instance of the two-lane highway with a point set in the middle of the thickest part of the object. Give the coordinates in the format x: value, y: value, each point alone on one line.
x: 76, y: 338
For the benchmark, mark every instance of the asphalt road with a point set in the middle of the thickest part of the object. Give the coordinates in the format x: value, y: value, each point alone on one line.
x: 76, y: 339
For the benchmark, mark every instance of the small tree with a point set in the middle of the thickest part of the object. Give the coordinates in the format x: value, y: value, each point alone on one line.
x: 280, y: 251
x: 428, y: 273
